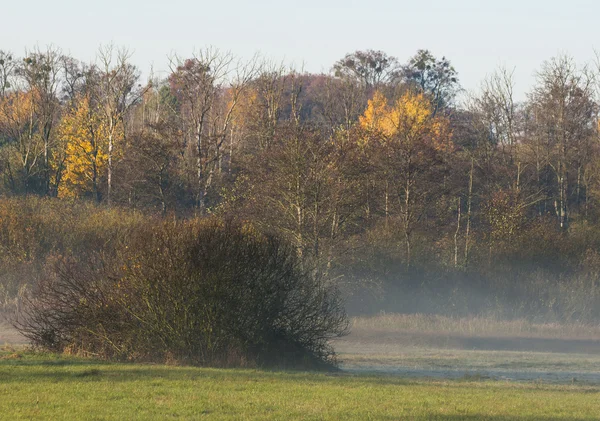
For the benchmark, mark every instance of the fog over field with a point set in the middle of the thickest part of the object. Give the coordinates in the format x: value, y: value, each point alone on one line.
x: 471, y: 348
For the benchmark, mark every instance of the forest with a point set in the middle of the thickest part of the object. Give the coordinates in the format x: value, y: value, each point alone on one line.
x: 387, y: 179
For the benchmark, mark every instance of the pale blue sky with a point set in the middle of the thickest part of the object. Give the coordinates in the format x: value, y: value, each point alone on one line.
x: 476, y: 35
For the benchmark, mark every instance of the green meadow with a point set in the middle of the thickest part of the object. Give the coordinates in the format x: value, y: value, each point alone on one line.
x: 37, y: 386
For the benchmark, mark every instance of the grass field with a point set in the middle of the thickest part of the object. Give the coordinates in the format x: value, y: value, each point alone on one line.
x: 393, y: 367
x: 38, y: 386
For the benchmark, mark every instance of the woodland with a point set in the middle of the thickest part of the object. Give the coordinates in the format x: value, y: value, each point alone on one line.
x: 388, y: 181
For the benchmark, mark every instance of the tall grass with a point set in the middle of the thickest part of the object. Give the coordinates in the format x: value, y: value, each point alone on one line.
x: 472, y: 326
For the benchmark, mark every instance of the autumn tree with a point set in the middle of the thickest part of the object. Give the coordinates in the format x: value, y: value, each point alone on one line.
x: 408, y: 141
x: 84, y: 133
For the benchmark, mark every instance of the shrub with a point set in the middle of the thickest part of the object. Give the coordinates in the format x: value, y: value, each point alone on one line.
x: 205, y: 292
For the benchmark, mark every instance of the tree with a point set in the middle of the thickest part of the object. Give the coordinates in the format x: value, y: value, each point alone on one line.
x: 75, y: 75
x: 118, y: 90
x: 300, y: 188
x: 371, y: 68
x: 18, y: 128
x: 41, y: 74
x: 84, y: 133
x: 436, y: 78
x: 344, y: 100
x: 7, y: 68
x: 564, y: 118
x: 499, y: 113
x: 407, y: 142
x: 209, y: 87
x: 268, y: 90
x: 150, y: 160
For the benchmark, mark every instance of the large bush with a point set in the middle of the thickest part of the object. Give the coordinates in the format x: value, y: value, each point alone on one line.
x: 203, y: 292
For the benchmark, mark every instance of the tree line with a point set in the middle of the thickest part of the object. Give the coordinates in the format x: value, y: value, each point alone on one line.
x: 374, y: 172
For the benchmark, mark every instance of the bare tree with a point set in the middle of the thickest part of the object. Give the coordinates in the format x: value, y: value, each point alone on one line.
x: 496, y: 107
x: 118, y: 90
x: 41, y: 73
x: 371, y: 68
x: 74, y: 78
x: 269, y: 85
x: 564, y: 113
x: 209, y: 86
x: 437, y: 78
x: 344, y: 100
x: 7, y: 69
x: 18, y: 123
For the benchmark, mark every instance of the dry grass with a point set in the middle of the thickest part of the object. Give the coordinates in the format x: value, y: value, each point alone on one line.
x: 473, y: 327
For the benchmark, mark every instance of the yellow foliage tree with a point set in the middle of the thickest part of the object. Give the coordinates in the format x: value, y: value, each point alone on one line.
x: 410, y: 119
x: 377, y: 116
x: 84, y: 135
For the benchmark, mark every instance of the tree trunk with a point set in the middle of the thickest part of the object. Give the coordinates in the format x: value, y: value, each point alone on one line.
x: 46, y: 164
x: 407, y: 228
x: 469, y: 202
x: 387, y: 201
x: 457, y: 232
x: 562, y: 195
x: 578, y: 188
x: 333, y: 234
x: 110, y: 166
x: 316, y: 226
x: 199, y: 170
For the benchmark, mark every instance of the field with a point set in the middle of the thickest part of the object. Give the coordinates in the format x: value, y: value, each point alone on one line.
x: 403, y: 369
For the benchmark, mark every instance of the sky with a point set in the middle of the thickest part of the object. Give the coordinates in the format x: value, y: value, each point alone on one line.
x: 477, y: 36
